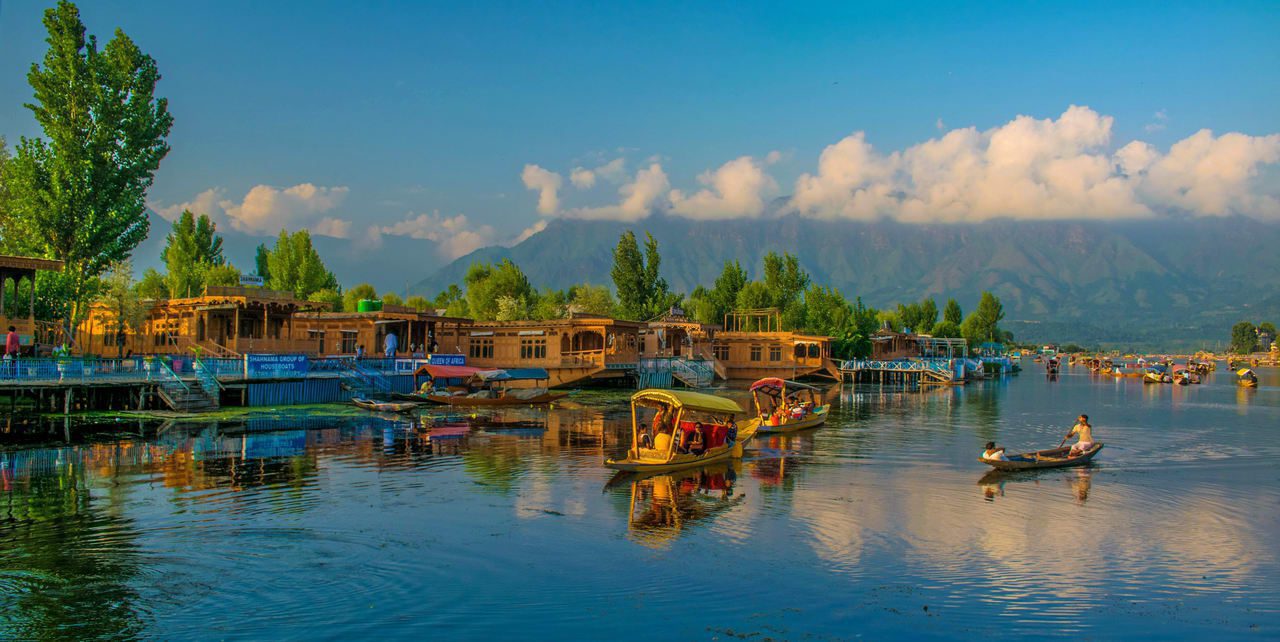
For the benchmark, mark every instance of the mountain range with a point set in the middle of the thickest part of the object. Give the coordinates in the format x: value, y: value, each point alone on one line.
x: 1154, y: 284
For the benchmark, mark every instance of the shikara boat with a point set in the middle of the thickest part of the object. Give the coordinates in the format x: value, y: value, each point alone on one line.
x: 1051, y: 458
x: 786, y: 406
x: 383, y: 406
x: 1156, y: 374
x: 464, y: 386
x: 674, y: 429
x: 1245, y: 378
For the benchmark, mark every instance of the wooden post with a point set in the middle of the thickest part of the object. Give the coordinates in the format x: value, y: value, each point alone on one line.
x: 235, y: 330
x: 4, y: 277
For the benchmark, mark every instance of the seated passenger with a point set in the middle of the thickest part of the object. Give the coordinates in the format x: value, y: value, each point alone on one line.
x: 993, y: 453
x: 662, y: 442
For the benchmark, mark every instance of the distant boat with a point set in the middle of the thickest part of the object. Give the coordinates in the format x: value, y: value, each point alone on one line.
x: 786, y: 406
x: 383, y: 406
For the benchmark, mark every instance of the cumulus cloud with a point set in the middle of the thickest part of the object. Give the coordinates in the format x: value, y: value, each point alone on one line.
x: 638, y: 198
x: 614, y: 171
x: 455, y: 235
x: 547, y: 184
x: 1159, y: 121
x: 1038, y: 169
x: 205, y: 202
x: 268, y: 209
x: 736, y: 190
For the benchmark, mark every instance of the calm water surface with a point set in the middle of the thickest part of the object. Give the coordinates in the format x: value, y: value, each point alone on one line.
x: 505, y: 525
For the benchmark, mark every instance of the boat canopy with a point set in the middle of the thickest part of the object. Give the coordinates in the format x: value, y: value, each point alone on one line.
x: 688, y: 400
x: 447, y: 372
x: 777, y: 383
x: 1243, y: 372
x: 513, y: 374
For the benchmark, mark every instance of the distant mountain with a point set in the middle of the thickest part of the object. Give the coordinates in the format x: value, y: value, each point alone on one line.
x: 1153, y: 283
x: 391, y: 266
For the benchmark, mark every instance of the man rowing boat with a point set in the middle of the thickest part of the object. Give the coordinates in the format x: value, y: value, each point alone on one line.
x: 1084, y: 431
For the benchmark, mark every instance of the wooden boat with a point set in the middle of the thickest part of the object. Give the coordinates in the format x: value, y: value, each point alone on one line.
x: 383, y: 406
x: 464, y: 386
x: 1051, y: 458
x: 674, y: 421
x: 505, y: 398
x: 786, y: 406
x: 1245, y: 378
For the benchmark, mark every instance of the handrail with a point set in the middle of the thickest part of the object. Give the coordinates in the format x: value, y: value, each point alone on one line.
x: 205, y: 375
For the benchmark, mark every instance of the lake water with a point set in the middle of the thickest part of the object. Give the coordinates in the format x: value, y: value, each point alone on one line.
x: 503, y: 525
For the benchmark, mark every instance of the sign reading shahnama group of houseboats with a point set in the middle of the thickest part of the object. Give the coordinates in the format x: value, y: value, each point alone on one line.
x: 448, y: 360
x: 275, y: 366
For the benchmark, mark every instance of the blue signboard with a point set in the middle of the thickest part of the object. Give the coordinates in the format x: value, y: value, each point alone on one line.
x: 448, y: 360
x: 275, y: 366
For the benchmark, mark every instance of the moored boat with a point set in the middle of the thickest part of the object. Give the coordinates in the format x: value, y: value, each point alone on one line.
x: 384, y: 406
x: 673, y: 429
x: 786, y: 406
x: 464, y: 386
x: 1051, y: 458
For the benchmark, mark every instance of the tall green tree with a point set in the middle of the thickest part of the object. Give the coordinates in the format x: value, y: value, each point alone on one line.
x: 453, y: 300
x: 928, y: 316
x: 952, y: 313
x: 331, y: 298
x: 723, y: 295
x: 1244, y: 338
x: 152, y: 285
x: 983, y: 324
x: 192, y: 250
x: 79, y: 194
x: 591, y: 299
x: 642, y: 292
x: 296, y: 266
x: 262, y: 262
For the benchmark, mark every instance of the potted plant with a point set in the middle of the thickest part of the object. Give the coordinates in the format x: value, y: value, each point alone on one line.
x: 62, y: 354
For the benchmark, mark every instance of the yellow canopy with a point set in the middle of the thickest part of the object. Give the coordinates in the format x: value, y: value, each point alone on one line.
x: 686, y: 399
x: 1242, y: 372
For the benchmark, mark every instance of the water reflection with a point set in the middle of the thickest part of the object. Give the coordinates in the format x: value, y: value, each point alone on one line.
x: 662, y: 506
x: 1078, y: 481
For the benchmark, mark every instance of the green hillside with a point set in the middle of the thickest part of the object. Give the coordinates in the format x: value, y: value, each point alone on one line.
x: 1166, y: 283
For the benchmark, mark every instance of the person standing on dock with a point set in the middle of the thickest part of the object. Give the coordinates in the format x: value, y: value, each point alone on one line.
x: 11, y: 349
x: 391, y: 344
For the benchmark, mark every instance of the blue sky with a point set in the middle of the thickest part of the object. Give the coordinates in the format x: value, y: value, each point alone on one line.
x: 410, y: 108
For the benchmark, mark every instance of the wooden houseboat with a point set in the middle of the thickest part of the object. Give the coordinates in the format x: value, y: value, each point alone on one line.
x: 418, y: 333
x: 754, y: 346
x: 225, y: 321
x: 580, y: 349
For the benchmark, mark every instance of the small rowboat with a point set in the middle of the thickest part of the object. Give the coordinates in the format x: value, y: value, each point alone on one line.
x: 1052, y: 458
x: 688, y: 429
x: 786, y: 406
x: 383, y: 406
x: 510, y: 398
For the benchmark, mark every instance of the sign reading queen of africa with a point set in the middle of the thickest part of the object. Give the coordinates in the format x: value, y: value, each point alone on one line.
x: 448, y: 360
x: 275, y: 366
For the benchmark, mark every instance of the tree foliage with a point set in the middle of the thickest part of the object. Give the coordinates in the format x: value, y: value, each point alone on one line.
x: 983, y: 324
x: 1244, y: 338
x: 192, y: 251
x: 122, y: 299
x: 418, y: 302
x: 79, y: 193
x: 591, y: 299
x: 351, y: 298
x: 642, y: 292
x: 486, y: 284
x: 952, y: 313
x: 295, y: 266
x: 918, y: 317
x: 329, y: 297
x: 453, y: 300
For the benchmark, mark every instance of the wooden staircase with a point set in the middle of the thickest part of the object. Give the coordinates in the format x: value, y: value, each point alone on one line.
x: 182, y: 396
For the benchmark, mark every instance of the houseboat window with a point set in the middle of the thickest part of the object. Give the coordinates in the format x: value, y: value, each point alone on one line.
x: 349, y: 338
x: 721, y: 353
x: 756, y: 351
x: 815, y: 350
x: 480, y: 348
x: 775, y: 353
x: 533, y: 348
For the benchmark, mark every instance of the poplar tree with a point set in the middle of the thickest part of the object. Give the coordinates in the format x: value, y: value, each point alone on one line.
x: 78, y: 194
x: 296, y: 267
x: 192, y: 250
x: 952, y: 313
x: 642, y: 292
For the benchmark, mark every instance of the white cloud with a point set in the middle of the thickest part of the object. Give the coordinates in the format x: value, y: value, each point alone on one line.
x: 638, y: 198
x: 529, y: 231
x: 270, y: 209
x: 582, y: 178
x: 205, y: 202
x: 1213, y: 176
x: 736, y: 190
x: 455, y: 235
x: 266, y: 209
x: 614, y: 171
x: 335, y: 227
x: 547, y: 184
